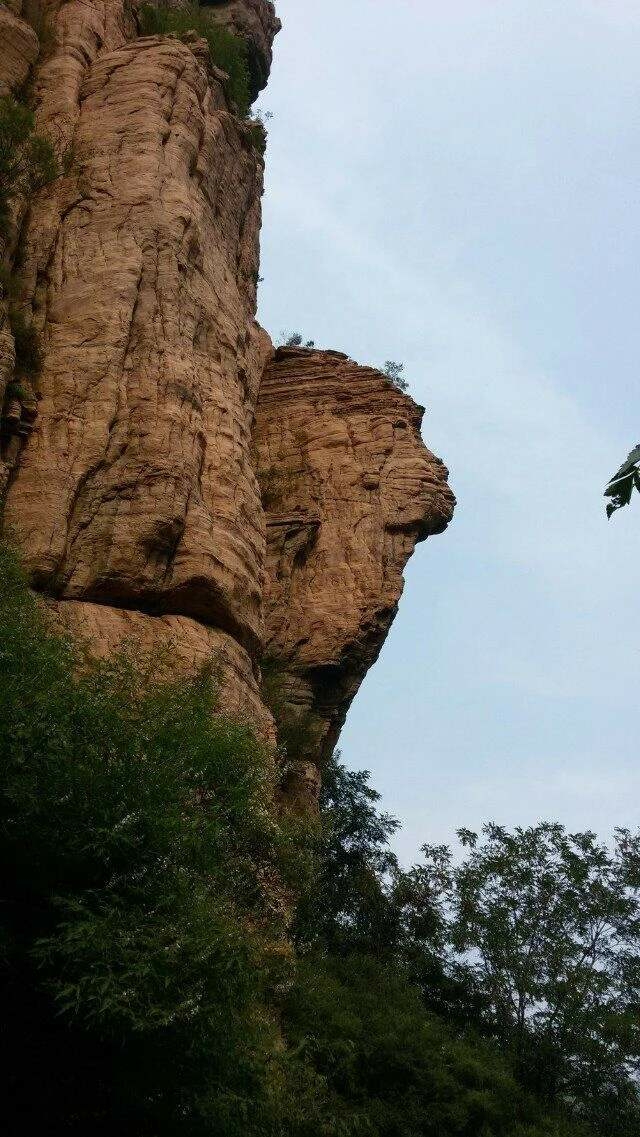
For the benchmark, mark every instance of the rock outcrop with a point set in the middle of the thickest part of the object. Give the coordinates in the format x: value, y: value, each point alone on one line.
x: 255, y: 21
x: 349, y: 488
x: 131, y: 476
x: 19, y: 47
x: 137, y: 488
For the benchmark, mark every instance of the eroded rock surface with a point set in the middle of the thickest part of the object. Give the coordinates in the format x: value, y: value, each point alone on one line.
x: 19, y: 48
x: 255, y: 22
x: 184, y: 645
x: 129, y: 476
x: 137, y: 488
x: 349, y: 488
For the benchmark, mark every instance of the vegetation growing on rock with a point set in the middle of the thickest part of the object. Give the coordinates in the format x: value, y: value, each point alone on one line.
x: 27, y: 160
x: 228, y: 52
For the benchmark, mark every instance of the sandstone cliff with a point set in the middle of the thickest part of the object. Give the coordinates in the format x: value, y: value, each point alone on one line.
x: 130, y: 474
x: 349, y: 488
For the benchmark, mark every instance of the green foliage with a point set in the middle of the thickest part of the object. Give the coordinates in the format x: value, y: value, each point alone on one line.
x: 147, y: 984
x: 362, y: 906
x: 27, y: 344
x: 228, y: 52
x: 17, y: 391
x: 351, y: 906
x: 294, y: 339
x: 27, y: 161
x: 389, y: 1069
x: 622, y: 484
x: 258, y: 130
x: 545, y: 926
x: 394, y: 371
x: 140, y: 921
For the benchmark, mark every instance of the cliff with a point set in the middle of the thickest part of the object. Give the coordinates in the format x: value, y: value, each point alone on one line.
x: 170, y: 479
x: 348, y: 489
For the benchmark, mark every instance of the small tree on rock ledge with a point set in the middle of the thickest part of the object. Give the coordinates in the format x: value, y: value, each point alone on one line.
x: 394, y: 372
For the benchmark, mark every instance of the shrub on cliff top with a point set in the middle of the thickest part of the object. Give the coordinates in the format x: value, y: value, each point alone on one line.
x: 228, y: 52
x: 394, y: 372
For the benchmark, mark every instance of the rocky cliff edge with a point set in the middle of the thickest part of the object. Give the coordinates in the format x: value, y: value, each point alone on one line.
x: 170, y: 479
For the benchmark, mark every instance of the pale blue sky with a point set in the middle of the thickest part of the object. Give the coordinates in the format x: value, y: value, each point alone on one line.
x: 457, y: 186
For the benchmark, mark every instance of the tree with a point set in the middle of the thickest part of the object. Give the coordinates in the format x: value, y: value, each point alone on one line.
x: 621, y: 486
x: 294, y: 339
x: 27, y: 161
x: 369, y: 979
x: 349, y: 905
x: 142, y: 924
x: 545, y: 925
x: 394, y: 371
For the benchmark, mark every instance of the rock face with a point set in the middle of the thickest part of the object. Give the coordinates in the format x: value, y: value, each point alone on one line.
x: 142, y: 269
x: 255, y: 21
x: 349, y: 488
x: 19, y: 48
x: 183, y: 643
x: 130, y: 478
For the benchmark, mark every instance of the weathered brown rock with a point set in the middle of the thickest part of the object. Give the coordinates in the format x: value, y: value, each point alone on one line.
x: 180, y: 645
x: 130, y: 485
x: 255, y: 22
x: 75, y: 33
x: 137, y: 488
x: 349, y: 489
x: 19, y: 48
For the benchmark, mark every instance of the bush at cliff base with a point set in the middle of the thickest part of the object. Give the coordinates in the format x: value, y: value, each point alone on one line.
x: 146, y: 980
x: 141, y: 925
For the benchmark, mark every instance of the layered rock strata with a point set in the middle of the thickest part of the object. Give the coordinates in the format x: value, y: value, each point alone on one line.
x: 349, y: 488
x: 131, y: 474
x: 19, y: 47
x: 138, y: 270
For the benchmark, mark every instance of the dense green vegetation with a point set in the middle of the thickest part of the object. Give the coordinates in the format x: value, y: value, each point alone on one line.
x: 140, y: 940
x: 530, y: 943
x: 150, y: 983
x: 228, y: 52
x: 544, y: 927
x: 295, y: 339
x: 27, y: 161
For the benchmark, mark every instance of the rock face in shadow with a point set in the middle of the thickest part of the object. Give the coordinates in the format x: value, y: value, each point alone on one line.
x: 170, y: 481
x: 349, y: 488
